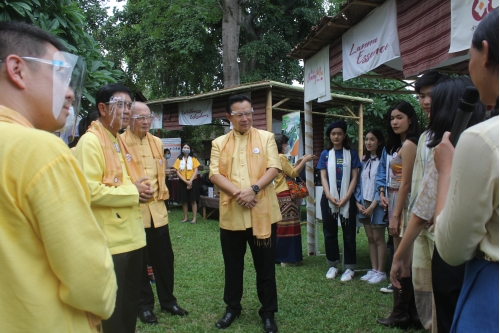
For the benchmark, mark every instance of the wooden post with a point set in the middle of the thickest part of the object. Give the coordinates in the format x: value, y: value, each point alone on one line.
x: 269, y: 109
x: 360, y: 131
x: 311, y: 212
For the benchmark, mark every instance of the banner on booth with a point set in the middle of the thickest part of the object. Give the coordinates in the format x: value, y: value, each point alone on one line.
x: 372, y: 42
x: 195, y: 113
x: 317, y: 76
x: 157, y: 112
x: 174, y: 145
x: 465, y: 16
x: 291, y: 128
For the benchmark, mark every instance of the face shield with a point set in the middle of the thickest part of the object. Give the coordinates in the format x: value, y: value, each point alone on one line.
x: 140, y: 124
x: 120, y: 111
x: 68, y: 78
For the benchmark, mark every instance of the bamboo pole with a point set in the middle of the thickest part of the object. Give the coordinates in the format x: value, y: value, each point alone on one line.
x: 360, y: 131
x: 318, y: 113
x: 311, y: 214
x: 269, y: 109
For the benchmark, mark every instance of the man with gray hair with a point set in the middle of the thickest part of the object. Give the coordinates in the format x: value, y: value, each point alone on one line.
x: 147, y: 152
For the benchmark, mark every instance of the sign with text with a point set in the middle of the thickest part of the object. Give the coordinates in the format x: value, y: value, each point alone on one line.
x: 465, y: 16
x: 174, y: 145
x: 317, y: 76
x: 195, y: 113
x: 372, y: 42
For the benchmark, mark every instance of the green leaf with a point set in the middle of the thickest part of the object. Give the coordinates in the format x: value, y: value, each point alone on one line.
x: 96, y: 65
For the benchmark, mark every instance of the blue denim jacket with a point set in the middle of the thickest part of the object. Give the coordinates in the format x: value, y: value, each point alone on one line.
x: 379, y: 212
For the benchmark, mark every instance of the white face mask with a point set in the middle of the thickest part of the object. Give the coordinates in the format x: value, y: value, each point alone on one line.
x: 286, y: 150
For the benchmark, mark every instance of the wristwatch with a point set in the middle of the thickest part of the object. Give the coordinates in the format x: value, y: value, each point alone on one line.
x: 255, y: 188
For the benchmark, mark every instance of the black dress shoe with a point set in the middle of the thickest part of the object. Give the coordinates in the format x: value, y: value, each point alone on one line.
x: 148, y: 317
x: 226, y: 320
x: 175, y: 310
x: 270, y: 325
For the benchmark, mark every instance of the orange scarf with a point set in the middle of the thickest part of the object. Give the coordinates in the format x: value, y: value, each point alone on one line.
x: 10, y: 116
x: 113, y: 175
x: 156, y: 149
x: 257, y: 165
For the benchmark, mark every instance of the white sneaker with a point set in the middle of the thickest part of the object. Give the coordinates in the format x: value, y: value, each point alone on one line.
x: 368, y: 275
x: 378, y: 277
x: 387, y: 290
x: 332, y: 273
x: 347, y: 276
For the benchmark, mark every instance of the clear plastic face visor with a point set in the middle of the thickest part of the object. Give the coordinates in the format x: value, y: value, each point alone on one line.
x: 120, y: 112
x: 69, y: 73
x: 141, y: 123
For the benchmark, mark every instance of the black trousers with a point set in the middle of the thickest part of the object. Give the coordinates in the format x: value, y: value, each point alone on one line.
x: 234, y: 245
x: 447, y: 282
x: 330, y: 230
x: 128, y: 267
x: 160, y: 256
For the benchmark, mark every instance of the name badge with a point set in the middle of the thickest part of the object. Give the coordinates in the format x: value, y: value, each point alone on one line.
x: 116, y: 179
x: 128, y: 157
x: 160, y: 161
x: 256, y: 150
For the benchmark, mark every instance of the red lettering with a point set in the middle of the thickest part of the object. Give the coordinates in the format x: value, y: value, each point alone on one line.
x: 352, y: 48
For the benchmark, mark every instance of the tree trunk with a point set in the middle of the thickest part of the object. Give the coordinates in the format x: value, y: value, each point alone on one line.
x: 230, y: 42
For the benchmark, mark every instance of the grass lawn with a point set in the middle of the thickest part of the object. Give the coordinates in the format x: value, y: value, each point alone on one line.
x: 307, y: 301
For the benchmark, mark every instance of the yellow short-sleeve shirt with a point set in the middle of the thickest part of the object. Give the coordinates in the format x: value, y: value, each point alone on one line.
x: 187, y: 174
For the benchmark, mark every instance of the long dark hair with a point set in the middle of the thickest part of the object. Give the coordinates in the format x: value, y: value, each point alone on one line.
x: 190, y: 151
x: 413, y: 132
x: 445, y: 99
x: 281, y: 139
x: 487, y: 30
x: 381, y: 140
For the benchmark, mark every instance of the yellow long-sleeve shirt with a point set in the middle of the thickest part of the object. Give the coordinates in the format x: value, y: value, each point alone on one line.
x: 153, y: 210
x: 54, y: 262
x: 116, y: 208
x: 240, y: 217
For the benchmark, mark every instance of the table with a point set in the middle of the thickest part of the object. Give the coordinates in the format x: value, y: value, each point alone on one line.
x: 208, y: 202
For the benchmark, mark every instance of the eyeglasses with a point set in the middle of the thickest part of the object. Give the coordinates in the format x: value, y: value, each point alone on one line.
x: 58, y: 65
x: 143, y: 118
x: 240, y: 115
x: 121, y: 104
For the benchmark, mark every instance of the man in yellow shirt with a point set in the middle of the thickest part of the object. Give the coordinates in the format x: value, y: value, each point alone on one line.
x: 147, y: 151
x: 115, y: 199
x: 56, y: 270
x: 243, y: 164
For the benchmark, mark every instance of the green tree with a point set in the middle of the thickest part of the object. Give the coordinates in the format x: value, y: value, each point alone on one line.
x: 65, y: 20
x: 270, y: 29
x: 168, y: 48
x: 174, y: 47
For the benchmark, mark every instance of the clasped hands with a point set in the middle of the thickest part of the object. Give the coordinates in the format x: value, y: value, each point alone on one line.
x: 145, y: 190
x: 366, y: 211
x: 336, y: 202
x: 245, y: 198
